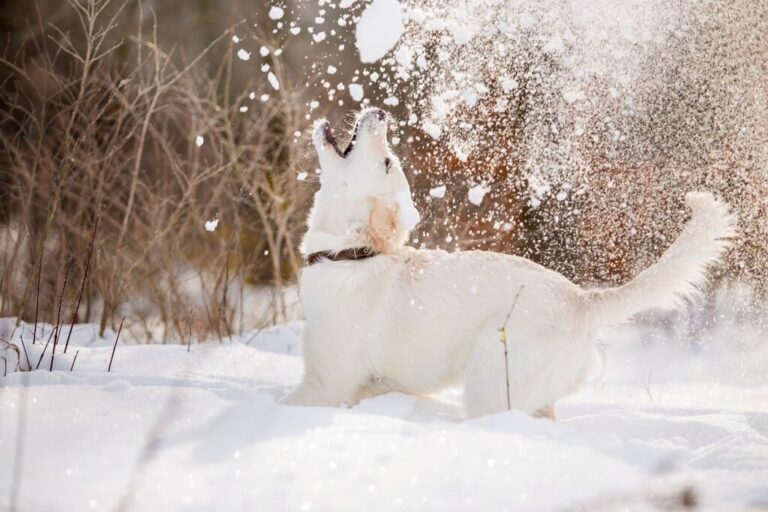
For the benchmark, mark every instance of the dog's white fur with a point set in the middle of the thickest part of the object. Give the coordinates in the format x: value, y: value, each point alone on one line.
x: 417, y: 321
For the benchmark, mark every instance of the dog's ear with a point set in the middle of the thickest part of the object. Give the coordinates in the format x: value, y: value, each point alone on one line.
x: 385, y: 231
x: 325, y: 144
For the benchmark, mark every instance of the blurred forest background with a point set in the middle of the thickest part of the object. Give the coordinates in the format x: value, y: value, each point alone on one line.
x: 155, y: 164
x: 134, y: 113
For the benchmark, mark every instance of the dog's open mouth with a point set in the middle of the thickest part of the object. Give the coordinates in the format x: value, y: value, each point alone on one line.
x: 351, y: 141
x: 330, y: 137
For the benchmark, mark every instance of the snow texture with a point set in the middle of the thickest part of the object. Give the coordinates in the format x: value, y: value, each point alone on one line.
x: 171, y: 430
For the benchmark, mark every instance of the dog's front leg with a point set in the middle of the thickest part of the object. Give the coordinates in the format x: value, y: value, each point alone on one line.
x: 313, y: 393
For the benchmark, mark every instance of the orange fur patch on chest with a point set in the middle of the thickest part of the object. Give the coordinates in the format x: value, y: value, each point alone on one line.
x: 384, y: 229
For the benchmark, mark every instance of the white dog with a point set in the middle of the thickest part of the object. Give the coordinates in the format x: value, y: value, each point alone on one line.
x: 384, y: 317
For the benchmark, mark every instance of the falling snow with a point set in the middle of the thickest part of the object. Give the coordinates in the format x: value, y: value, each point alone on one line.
x: 437, y: 192
x: 211, y: 225
x: 276, y: 12
x: 273, y: 81
x: 379, y: 29
x: 477, y: 193
x: 356, y: 91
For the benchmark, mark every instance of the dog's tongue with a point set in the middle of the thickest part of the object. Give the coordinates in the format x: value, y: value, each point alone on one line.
x: 409, y: 215
x: 330, y: 137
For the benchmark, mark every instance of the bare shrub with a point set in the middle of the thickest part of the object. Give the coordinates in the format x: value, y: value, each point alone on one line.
x: 152, y: 145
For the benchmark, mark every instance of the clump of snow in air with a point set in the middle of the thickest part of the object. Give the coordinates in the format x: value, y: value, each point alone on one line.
x: 379, y: 29
x: 273, y: 81
x: 432, y: 129
x: 276, y: 12
x: 199, y: 140
x: 243, y: 54
x: 211, y: 225
x: 437, y: 192
x: 509, y: 84
x: 477, y: 193
x: 356, y: 91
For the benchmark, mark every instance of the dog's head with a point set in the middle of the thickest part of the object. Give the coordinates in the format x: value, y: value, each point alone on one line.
x: 364, y: 196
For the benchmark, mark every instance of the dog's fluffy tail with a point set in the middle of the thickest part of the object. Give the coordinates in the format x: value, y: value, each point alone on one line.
x: 679, y: 274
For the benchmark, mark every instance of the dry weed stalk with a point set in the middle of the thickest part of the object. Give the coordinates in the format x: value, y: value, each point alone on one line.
x: 100, y: 127
x: 504, y: 338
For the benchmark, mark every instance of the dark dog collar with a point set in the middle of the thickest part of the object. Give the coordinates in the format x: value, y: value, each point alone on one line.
x: 355, y: 253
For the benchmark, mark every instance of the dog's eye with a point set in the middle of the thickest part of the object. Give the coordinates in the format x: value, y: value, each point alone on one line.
x: 387, y: 163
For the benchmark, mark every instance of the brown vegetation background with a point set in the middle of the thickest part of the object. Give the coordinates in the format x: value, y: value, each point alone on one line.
x: 102, y: 106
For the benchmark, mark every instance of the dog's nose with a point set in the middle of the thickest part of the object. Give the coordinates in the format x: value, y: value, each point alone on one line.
x: 381, y: 114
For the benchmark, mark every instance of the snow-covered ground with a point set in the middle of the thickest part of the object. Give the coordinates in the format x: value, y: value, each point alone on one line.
x: 173, y: 430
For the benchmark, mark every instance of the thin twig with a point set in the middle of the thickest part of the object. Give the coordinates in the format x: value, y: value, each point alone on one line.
x: 189, y: 338
x: 73, y: 361
x: 21, y: 338
x: 514, y: 303
x: 58, y: 319
x: 82, y: 285
x: 505, y: 341
x: 37, y: 294
x: 119, y: 329
x: 42, y: 354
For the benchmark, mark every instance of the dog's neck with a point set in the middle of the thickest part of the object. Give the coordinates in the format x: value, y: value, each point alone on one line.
x: 373, y: 223
x: 318, y: 241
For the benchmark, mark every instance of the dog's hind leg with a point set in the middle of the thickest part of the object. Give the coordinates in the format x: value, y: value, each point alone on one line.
x: 546, y: 412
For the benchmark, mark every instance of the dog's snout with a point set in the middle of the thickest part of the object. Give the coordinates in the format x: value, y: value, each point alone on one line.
x: 373, y: 114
